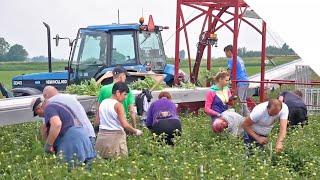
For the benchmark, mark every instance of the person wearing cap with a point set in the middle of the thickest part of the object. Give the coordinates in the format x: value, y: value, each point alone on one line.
x: 37, y: 106
x: 64, y: 133
x: 119, y: 75
x: 259, y: 124
x: 111, y: 139
x: 162, y: 118
x: 51, y: 94
x: 229, y: 122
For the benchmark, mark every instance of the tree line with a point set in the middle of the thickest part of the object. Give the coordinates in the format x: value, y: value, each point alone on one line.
x: 12, y: 53
x: 285, y: 50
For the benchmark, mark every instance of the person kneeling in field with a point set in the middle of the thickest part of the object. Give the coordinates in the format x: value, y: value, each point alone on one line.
x: 162, y: 118
x: 111, y: 139
x: 230, y: 122
x: 297, y: 108
x: 63, y: 133
x: 259, y: 124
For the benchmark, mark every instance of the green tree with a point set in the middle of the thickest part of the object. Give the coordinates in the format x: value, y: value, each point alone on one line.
x: 4, y: 47
x: 17, y: 53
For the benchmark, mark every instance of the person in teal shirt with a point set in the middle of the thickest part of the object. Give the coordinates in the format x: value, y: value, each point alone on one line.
x: 119, y: 75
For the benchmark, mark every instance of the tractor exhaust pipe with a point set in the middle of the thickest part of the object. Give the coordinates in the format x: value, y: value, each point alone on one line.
x: 49, y: 46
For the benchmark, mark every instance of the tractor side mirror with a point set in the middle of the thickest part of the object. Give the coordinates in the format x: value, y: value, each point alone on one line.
x: 57, y: 39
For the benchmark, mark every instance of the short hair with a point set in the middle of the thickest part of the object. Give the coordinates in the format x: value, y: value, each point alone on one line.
x: 121, y: 87
x: 217, y: 125
x: 116, y: 76
x: 228, y: 48
x: 298, y: 93
x: 164, y: 94
x: 274, y: 102
x: 220, y: 75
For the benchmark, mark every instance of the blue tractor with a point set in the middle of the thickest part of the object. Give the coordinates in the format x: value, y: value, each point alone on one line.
x: 98, y: 49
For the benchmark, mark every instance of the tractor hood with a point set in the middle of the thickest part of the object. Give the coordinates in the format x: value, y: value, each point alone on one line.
x: 40, y: 80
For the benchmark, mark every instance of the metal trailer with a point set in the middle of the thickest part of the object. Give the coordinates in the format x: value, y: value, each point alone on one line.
x: 18, y: 110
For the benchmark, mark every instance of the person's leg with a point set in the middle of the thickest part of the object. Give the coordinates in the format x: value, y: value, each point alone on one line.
x: 297, y: 116
x: 168, y: 128
x: 123, y: 144
x: 108, y: 143
x: 242, y: 93
x: 250, y: 143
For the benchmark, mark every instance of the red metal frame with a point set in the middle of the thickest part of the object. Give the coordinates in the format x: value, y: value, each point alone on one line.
x: 214, y: 11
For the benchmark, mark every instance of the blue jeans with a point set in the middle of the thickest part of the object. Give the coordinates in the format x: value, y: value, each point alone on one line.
x: 249, y: 141
x: 242, y: 93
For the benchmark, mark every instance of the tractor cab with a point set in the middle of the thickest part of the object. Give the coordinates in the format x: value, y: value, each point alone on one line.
x: 98, y: 49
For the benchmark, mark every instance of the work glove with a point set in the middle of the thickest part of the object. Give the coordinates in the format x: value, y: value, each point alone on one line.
x: 48, y: 148
x: 138, y: 132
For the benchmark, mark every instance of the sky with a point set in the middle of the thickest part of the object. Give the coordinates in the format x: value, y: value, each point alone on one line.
x: 21, y: 23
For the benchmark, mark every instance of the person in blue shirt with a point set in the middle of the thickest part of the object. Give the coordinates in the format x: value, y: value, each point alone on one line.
x: 241, y: 75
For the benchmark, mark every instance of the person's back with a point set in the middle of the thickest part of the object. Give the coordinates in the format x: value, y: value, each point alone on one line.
x: 235, y: 121
x: 111, y: 139
x: 161, y: 105
x: 108, y: 116
x: 71, y: 102
x: 292, y: 100
x: 297, y: 107
x: 71, y: 139
x: 66, y: 116
x: 241, y: 70
x: 162, y: 118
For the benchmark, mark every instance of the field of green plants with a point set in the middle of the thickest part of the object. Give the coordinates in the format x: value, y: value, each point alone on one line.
x: 11, y: 69
x: 198, y: 154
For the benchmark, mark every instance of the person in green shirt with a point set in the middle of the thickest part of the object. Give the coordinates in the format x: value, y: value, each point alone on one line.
x: 119, y: 75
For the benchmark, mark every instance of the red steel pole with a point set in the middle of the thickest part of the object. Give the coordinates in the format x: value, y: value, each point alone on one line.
x: 209, y: 46
x: 177, y: 48
x: 235, y: 45
x: 263, y: 58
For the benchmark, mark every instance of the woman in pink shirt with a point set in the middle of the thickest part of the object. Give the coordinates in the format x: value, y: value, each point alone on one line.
x: 218, y: 96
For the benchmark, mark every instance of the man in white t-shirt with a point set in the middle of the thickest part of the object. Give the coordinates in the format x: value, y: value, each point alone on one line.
x: 259, y: 124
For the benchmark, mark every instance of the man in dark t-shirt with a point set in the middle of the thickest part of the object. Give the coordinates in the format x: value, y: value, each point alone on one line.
x: 297, y: 108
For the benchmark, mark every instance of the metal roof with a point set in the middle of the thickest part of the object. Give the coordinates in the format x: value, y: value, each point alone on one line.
x: 111, y: 27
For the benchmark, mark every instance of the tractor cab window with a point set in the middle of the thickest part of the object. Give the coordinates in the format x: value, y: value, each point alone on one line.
x: 89, y: 53
x: 123, y: 48
x: 151, y: 49
x: 91, y: 48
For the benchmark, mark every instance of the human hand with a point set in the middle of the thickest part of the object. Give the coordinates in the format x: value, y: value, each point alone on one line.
x: 279, y: 146
x: 138, y: 132
x: 262, y: 140
x: 48, y: 148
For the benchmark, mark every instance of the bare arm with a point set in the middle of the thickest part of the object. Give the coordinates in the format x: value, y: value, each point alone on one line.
x: 55, y: 127
x: 43, y: 132
x: 118, y: 107
x: 133, y: 115
x: 97, y: 119
x: 282, y: 134
x: 247, y: 126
